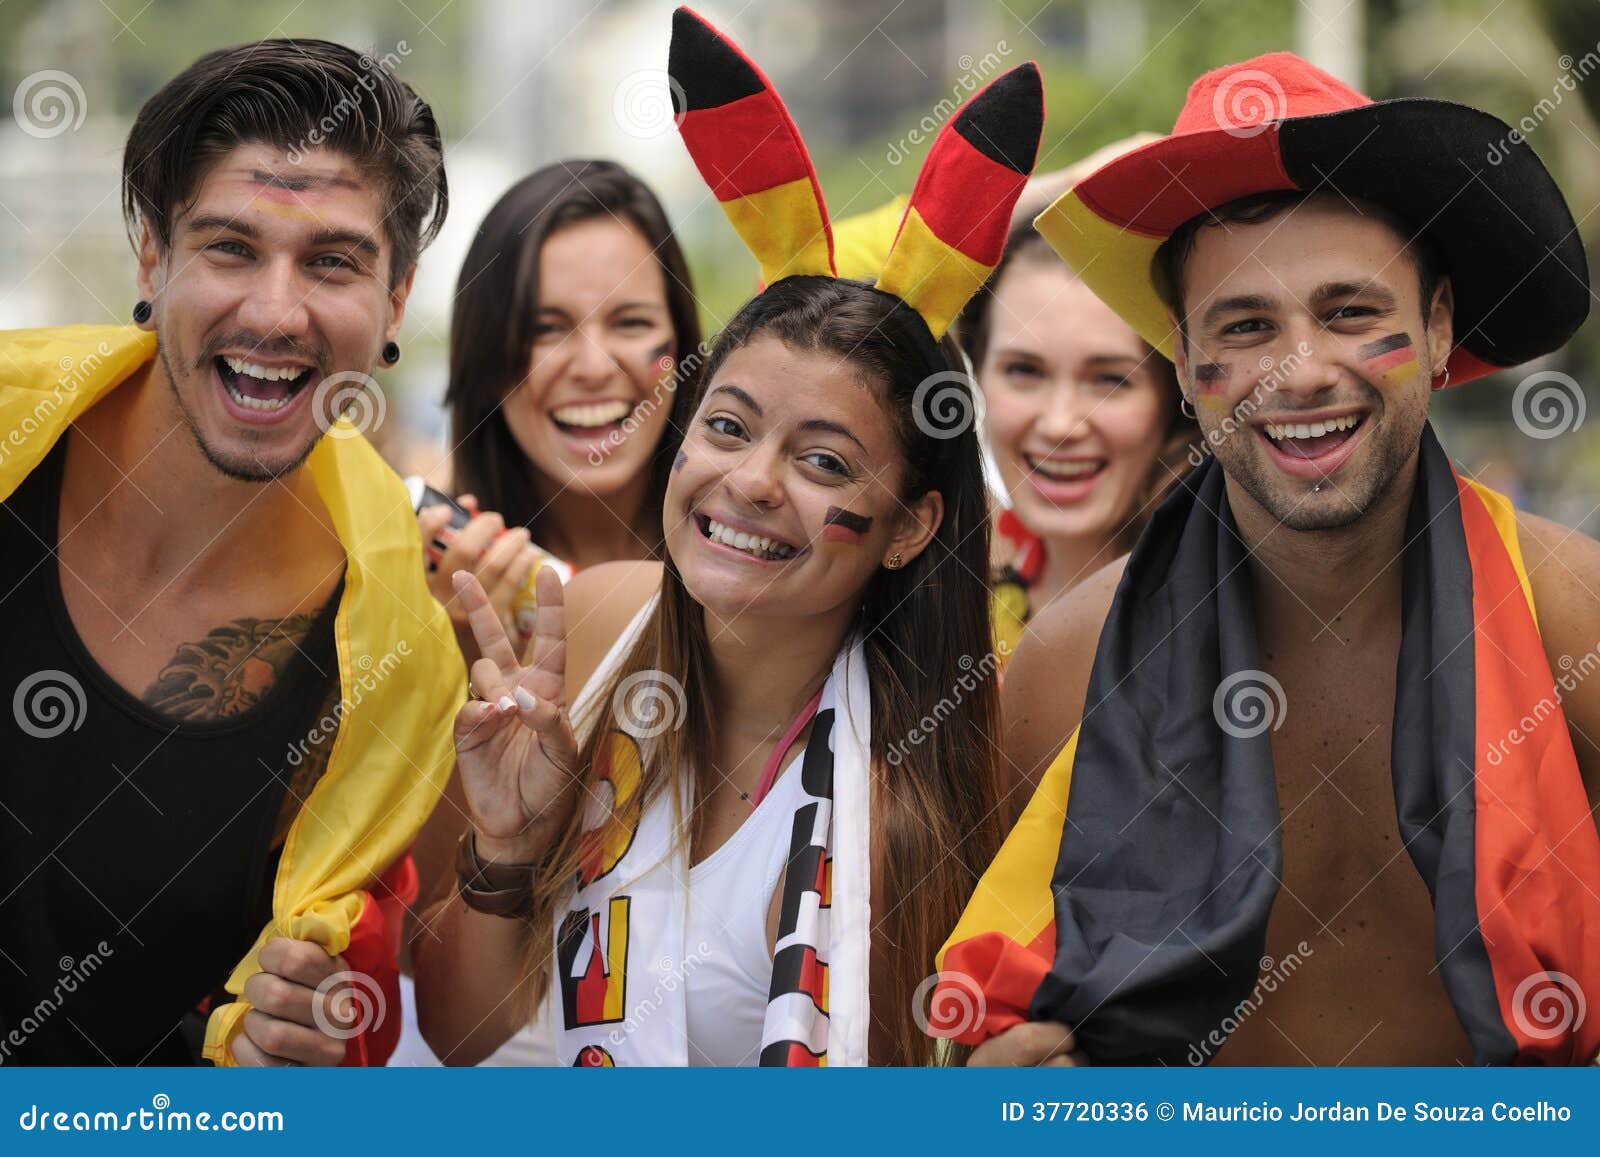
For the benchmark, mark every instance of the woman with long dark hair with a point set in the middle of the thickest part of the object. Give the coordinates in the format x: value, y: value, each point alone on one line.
x: 728, y: 809
x: 574, y: 325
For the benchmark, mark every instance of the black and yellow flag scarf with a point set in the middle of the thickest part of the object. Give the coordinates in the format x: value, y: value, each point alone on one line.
x: 1117, y: 922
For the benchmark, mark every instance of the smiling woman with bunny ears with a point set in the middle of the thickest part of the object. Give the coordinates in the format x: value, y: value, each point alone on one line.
x: 712, y: 858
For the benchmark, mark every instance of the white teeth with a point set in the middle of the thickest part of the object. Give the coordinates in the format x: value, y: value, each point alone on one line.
x: 591, y: 414
x: 265, y: 373
x: 1312, y: 429
x: 755, y: 544
x: 263, y: 404
x: 1065, y: 471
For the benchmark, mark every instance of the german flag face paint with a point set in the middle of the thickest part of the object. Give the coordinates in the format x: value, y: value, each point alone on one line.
x: 845, y: 527
x: 1392, y: 360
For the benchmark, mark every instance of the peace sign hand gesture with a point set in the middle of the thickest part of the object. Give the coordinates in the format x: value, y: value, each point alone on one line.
x: 514, y: 742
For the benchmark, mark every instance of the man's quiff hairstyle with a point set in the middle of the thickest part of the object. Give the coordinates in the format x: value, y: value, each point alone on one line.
x: 295, y: 95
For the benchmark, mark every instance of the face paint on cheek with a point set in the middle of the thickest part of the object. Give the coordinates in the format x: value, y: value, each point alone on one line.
x: 845, y: 527
x: 678, y: 462
x: 661, y: 359
x: 1390, y: 359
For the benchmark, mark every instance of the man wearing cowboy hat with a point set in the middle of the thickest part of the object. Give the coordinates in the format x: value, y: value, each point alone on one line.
x: 1309, y: 787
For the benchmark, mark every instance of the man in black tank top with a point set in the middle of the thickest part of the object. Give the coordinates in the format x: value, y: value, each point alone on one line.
x: 230, y: 692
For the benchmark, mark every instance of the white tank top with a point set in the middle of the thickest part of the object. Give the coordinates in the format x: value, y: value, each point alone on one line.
x: 730, y: 894
x: 726, y: 990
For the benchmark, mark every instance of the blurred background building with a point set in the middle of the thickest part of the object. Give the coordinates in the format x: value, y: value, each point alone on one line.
x: 517, y: 83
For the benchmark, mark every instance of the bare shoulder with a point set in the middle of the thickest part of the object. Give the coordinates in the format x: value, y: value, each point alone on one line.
x: 1564, y: 571
x: 1048, y: 677
x: 600, y: 603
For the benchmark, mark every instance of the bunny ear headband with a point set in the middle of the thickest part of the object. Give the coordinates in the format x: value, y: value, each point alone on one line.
x: 749, y: 151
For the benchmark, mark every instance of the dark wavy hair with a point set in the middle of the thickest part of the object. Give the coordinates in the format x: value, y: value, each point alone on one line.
x: 926, y: 635
x: 497, y: 305
x: 293, y: 94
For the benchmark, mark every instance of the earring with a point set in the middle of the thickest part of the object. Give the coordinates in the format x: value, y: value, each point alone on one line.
x: 141, y: 312
x: 894, y: 561
x: 1446, y: 381
x: 1186, y: 408
x: 391, y: 352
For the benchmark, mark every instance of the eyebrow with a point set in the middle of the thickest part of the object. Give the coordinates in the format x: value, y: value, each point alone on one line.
x: 363, y: 242
x: 741, y: 395
x: 1238, y: 303
x: 823, y: 424
x: 219, y: 222
x: 831, y: 428
x: 1334, y: 290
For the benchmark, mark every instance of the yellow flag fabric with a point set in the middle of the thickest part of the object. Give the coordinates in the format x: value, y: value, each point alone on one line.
x: 401, y: 675
x: 861, y: 243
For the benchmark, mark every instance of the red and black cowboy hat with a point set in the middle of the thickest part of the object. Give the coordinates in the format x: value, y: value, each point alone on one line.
x: 1274, y: 123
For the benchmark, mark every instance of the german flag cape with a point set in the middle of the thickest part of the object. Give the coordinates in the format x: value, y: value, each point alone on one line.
x: 1141, y: 923
x: 393, y: 752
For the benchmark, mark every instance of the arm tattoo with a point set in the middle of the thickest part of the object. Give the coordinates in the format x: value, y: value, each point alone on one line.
x: 229, y: 671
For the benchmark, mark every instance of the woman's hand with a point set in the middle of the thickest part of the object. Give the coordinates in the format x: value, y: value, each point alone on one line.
x: 514, y: 742
x: 501, y: 560
x: 1033, y: 1044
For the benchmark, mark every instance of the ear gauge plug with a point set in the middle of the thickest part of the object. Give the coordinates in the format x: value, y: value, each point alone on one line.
x: 141, y: 312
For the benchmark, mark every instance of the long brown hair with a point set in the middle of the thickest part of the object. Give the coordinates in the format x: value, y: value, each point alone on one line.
x: 974, y: 328
x: 492, y: 328
x: 929, y: 656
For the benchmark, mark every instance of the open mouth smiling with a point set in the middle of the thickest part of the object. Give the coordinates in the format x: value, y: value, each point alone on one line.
x: 260, y: 388
x: 760, y: 547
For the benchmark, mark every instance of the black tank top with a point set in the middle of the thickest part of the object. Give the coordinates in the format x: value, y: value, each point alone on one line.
x: 135, y: 850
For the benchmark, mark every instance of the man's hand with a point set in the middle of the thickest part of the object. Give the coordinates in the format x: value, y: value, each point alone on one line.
x: 1034, y: 1044
x: 291, y: 1023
